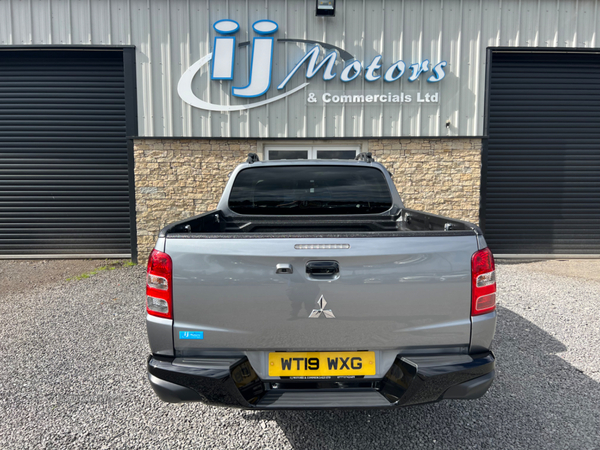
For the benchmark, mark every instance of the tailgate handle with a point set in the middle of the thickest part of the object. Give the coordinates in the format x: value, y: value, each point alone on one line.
x: 322, y: 269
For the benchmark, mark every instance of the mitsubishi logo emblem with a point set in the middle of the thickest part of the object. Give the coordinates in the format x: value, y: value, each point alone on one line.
x: 316, y: 313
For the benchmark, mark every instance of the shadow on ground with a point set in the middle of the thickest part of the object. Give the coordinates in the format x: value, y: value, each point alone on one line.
x: 537, y: 401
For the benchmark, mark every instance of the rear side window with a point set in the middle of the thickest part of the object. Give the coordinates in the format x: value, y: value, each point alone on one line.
x: 310, y: 190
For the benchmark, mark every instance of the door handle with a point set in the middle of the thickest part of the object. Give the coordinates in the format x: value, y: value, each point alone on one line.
x: 322, y: 269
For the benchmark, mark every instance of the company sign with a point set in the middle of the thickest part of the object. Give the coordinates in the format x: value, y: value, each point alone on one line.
x: 222, y: 62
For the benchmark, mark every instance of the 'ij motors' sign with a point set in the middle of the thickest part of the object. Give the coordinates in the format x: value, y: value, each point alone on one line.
x: 222, y: 60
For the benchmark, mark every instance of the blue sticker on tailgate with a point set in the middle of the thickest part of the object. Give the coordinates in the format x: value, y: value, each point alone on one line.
x: 191, y: 335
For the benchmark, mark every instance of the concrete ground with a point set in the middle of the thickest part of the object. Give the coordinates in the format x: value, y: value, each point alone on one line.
x: 584, y: 269
x: 24, y: 275
x: 72, y: 356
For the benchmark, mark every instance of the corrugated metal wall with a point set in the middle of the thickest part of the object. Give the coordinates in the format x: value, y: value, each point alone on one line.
x: 171, y: 35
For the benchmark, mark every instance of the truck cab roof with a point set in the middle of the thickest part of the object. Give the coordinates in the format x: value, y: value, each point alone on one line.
x: 251, y: 164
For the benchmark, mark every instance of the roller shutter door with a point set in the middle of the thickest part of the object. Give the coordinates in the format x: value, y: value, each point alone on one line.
x: 64, y: 165
x: 541, y: 168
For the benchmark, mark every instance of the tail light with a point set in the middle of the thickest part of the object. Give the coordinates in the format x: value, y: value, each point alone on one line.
x: 159, y: 287
x: 484, y: 282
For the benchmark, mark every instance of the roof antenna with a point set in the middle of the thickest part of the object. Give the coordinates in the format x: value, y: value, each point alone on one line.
x: 252, y: 158
x: 366, y: 157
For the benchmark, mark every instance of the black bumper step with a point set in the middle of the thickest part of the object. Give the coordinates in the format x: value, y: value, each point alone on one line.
x: 231, y: 382
x: 314, y: 399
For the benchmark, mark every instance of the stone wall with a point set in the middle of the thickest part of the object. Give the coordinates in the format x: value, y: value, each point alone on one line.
x: 176, y: 179
x: 440, y: 176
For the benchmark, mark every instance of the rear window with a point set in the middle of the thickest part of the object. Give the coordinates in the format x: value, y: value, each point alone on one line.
x: 310, y: 190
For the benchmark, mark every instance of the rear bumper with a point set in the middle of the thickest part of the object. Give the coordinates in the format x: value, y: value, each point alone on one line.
x: 232, y: 382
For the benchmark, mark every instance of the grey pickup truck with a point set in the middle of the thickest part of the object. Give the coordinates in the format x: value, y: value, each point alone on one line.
x: 312, y: 286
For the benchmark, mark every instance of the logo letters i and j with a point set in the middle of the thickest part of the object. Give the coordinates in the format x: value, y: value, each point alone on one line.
x: 262, y: 56
x: 223, y: 59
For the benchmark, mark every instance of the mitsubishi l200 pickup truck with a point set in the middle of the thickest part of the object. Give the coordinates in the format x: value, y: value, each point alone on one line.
x: 313, y: 287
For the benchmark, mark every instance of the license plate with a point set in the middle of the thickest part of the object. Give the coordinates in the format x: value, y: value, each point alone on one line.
x: 321, y: 364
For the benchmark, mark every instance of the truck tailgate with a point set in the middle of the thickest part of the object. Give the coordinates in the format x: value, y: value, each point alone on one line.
x: 410, y: 292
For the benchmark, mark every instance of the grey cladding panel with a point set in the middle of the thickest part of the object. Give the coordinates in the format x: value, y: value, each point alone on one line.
x: 169, y: 36
x: 64, y: 180
x: 541, y: 189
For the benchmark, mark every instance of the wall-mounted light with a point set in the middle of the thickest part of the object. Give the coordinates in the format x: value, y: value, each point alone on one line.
x: 325, y: 7
x: 447, y: 124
